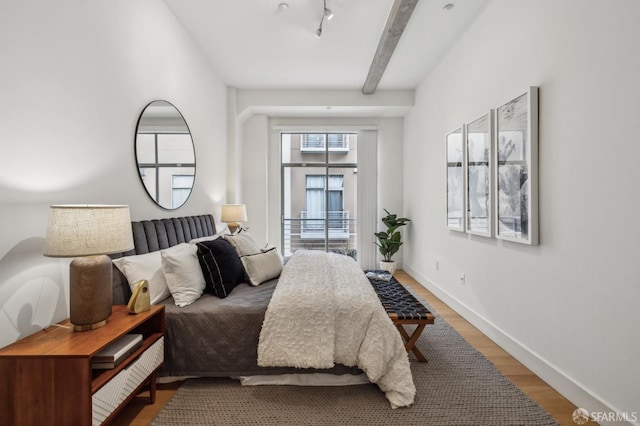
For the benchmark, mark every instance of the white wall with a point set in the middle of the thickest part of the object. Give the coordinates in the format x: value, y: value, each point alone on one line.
x: 254, y: 177
x: 568, y: 307
x: 74, y: 77
x: 390, y: 172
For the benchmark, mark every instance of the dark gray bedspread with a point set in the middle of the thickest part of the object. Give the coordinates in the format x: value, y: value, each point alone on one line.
x: 215, y: 337
x: 212, y: 337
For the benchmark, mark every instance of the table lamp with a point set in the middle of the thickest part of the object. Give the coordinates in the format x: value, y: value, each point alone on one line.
x: 232, y: 214
x: 89, y: 233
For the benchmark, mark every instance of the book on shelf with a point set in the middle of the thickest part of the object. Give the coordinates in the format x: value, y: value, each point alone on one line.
x: 116, y: 352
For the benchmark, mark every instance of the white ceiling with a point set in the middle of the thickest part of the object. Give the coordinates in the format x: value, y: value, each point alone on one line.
x: 253, y: 44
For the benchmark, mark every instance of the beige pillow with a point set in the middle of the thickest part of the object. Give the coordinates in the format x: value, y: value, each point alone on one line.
x: 183, y: 273
x: 262, y: 266
x: 243, y: 242
x: 145, y: 267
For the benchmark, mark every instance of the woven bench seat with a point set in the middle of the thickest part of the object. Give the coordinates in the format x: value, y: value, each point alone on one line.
x: 403, y: 309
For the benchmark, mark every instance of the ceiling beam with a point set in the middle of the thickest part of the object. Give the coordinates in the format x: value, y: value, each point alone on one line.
x: 398, y: 17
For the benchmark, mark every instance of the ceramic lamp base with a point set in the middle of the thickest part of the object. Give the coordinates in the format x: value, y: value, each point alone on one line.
x: 90, y: 294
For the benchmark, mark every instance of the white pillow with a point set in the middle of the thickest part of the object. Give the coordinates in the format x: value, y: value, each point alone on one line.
x: 145, y: 267
x: 183, y: 273
x: 262, y: 266
x: 225, y: 230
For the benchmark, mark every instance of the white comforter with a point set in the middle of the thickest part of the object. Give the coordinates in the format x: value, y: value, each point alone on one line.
x: 324, y: 311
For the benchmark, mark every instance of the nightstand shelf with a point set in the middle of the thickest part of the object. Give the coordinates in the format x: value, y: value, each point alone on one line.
x: 47, y: 377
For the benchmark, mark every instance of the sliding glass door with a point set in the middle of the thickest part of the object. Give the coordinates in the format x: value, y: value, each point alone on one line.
x: 319, y: 187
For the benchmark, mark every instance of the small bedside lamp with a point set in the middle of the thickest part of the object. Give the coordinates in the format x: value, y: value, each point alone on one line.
x: 89, y: 233
x: 232, y: 214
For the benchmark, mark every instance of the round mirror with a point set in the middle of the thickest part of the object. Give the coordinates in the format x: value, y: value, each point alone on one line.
x: 165, y: 155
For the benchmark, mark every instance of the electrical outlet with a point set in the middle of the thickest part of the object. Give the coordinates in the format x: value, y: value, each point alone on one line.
x: 462, y: 278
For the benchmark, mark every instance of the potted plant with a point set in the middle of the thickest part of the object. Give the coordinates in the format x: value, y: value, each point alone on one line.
x: 389, y: 241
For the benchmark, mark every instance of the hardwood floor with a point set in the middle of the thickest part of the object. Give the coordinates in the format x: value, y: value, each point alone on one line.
x: 139, y: 412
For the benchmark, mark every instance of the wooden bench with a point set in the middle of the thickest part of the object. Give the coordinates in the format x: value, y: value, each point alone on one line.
x: 403, y: 309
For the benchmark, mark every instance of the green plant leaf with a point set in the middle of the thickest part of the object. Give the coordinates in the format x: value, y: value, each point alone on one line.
x: 389, y: 242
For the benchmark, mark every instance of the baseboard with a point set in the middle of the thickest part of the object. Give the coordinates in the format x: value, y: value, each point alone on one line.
x: 567, y: 387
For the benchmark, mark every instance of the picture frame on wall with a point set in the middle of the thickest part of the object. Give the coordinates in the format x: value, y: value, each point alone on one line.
x: 479, y: 163
x: 456, y: 188
x: 516, y: 169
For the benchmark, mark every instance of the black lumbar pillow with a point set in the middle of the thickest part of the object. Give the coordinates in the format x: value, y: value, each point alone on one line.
x: 221, y: 266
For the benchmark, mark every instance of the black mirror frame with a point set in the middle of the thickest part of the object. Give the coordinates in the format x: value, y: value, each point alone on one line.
x: 135, y: 151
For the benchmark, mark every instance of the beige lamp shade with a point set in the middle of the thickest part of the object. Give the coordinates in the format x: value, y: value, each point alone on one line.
x: 232, y: 214
x: 87, y: 230
x: 89, y: 233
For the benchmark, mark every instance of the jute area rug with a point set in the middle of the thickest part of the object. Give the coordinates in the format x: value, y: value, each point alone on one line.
x: 458, y: 386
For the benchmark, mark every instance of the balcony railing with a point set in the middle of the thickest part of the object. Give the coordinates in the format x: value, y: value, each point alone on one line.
x: 309, y: 233
x: 316, y: 143
x: 313, y: 222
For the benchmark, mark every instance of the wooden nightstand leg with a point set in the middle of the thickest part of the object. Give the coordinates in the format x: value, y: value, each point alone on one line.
x: 152, y: 387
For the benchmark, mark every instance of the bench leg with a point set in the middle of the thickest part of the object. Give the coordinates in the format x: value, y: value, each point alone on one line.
x: 410, y: 341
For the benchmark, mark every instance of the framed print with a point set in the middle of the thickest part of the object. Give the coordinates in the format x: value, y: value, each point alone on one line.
x: 516, y: 169
x: 478, y: 143
x: 455, y: 181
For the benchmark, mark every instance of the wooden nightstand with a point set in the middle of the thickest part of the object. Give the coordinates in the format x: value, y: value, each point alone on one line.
x: 47, y: 378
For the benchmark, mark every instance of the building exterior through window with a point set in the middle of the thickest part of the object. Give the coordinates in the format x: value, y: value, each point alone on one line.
x: 180, y: 189
x: 166, y: 163
x: 319, y: 187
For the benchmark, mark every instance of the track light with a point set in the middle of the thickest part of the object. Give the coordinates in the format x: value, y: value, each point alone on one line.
x: 328, y: 14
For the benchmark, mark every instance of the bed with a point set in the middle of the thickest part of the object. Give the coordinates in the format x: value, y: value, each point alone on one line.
x: 214, y: 337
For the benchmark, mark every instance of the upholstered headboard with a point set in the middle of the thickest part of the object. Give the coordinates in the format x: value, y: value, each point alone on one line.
x: 158, y: 234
